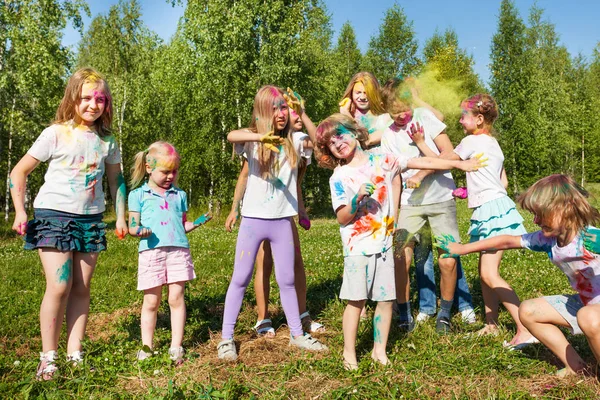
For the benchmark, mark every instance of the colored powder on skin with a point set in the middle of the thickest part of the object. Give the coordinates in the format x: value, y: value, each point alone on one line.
x: 121, y: 191
x: 354, y: 204
x: 64, y: 272
x: 376, y: 330
x: 201, y: 219
x: 342, y: 130
x: 133, y: 223
x: 10, y: 184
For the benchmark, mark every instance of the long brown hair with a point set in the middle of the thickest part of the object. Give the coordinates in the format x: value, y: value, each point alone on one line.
x: 372, y: 88
x: 262, y: 122
x: 72, y: 97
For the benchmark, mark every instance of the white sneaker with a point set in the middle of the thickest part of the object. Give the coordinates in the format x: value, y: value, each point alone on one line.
x: 422, y: 317
x: 226, y: 350
x: 307, y: 342
x: 176, y: 355
x: 142, y: 355
x: 468, y: 316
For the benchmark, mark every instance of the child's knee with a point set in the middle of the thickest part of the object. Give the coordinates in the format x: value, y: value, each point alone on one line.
x: 527, y: 312
x: 589, y: 321
x: 59, y: 291
x: 176, y: 300
x: 151, y: 303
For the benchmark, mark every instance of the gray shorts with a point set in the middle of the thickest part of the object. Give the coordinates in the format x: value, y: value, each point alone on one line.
x: 369, y: 277
x: 441, y: 218
x: 567, y: 306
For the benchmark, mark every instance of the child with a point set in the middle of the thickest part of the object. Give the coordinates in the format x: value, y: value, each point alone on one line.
x: 362, y: 101
x: 157, y: 214
x: 363, y: 193
x: 427, y: 198
x: 270, y: 201
x: 67, y: 227
x: 264, y: 258
x: 562, y: 211
x: 494, y: 212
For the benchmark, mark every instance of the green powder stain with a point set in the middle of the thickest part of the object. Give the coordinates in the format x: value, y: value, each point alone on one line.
x: 376, y: 330
x: 121, y: 191
x: 10, y: 183
x: 354, y: 204
x: 64, y: 272
x: 133, y: 223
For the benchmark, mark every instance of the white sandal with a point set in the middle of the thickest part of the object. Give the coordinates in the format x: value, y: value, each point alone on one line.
x: 264, y: 328
x: 314, y: 326
x: 47, y: 367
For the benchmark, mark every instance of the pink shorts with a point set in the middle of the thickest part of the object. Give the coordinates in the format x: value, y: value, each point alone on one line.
x: 164, y: 265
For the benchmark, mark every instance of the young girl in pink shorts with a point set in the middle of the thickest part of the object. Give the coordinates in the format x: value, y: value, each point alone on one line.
x: 157, y: 214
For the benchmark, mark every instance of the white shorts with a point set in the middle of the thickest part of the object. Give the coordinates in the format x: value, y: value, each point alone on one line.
x: 369, y: 277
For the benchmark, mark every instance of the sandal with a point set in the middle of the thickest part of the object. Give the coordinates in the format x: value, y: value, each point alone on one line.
x: 46, y: 368
x: 348, y: 366
x: 310, y: 326
x: 226, y: 350
x: 176, y: 355
x: 264, y: 328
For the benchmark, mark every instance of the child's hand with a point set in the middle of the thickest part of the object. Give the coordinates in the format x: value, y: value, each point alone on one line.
x: 201, y: 220
x: 416, y: 133
x: 345, y: 107
x: 474, y: 163
x: 366, y: 189
x: 271, y: 141
x: 448, y: 244
x: 412, y: 183
x: 590, y: 239
x: 121, y: 228
x: 20, y: 223
x: 294, y: 101
x: 303, y: 220
x: 231, y: 220
x: 143, y: 232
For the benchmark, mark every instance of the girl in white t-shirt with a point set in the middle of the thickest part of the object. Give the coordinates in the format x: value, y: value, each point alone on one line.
x: 494, y: 213
x: 364, y: 190
x: 67, y: 228
x: 270, y: 200
x: 562, y: 211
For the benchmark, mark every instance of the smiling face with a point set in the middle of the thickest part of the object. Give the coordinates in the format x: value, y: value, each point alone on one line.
x: 296, y: 121
x: 343, y: 144
x: 91, y: 104
x: 469, y: 121
x: 359, y: 97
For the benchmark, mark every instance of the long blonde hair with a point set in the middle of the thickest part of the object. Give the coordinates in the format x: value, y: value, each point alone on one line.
x: 372, y: 88
x: 158, y: 154
x: 72, y: 97
x: 559, y: 196
x: 262, y: 122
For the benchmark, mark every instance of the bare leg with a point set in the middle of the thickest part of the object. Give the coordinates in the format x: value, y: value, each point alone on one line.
x: 402, y: 268
x: 149, y: 311
x: 59, y: 278
x: 178, y: 312
x: 350, y: 322
x: 588, y: 319
x: 262, y: 278
x: 78, y: 306
x: 491, y: 303
x: 490, y: 274
x: 542, y: 319
x: 381, y: 329
x: 447, y: 278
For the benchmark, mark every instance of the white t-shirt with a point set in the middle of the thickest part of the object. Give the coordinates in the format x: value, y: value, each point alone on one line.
x: 370, y: 231
x: 374, y: 123
x: 581, y: 266
x: 278, y: 196
x: 73, y: 182
x: 484, y: 184
x: 435, y: 188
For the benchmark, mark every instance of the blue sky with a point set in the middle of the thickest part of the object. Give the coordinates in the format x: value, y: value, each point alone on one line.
x: 576, y: 22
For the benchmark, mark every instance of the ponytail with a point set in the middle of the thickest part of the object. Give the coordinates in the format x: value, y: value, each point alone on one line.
x: 138, y: 171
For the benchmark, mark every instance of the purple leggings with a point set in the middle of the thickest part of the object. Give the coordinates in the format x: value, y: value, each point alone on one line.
x: 252, y: 232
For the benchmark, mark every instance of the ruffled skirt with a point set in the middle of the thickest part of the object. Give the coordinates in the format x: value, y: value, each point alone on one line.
x: 494, y: 218
x: 66, y: 232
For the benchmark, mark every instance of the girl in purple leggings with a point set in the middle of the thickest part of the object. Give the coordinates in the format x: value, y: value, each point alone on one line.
x: 269, y: 203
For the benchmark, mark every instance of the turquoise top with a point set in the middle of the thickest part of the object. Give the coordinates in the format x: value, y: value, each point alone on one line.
x: 162, y: 214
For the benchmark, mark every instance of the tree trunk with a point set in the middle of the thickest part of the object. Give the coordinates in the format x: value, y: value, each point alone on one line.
x: 8, y: 164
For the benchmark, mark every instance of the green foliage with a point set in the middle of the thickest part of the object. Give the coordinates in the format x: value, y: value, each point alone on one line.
x: 393, y: 52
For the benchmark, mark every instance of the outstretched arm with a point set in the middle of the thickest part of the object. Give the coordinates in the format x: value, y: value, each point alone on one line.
x: 472, y: 164
x: 453, y: 249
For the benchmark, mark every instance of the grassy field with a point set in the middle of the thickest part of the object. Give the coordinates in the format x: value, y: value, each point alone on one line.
x: 424, y: 365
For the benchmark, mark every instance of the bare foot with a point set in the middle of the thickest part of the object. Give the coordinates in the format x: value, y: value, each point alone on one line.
x: 522, y: 338
x: 488, y: 329
x: 565, y: 372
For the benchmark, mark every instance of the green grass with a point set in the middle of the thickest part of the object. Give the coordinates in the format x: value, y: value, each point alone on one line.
x: 425, y: 365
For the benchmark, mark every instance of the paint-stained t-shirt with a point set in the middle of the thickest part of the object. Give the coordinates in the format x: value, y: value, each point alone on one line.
x: 371, y: 229
x: 73, y: 181
x: 434, y: 188
x: 581, y: 266
x: 161, y: 213
x: 276, y: 197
